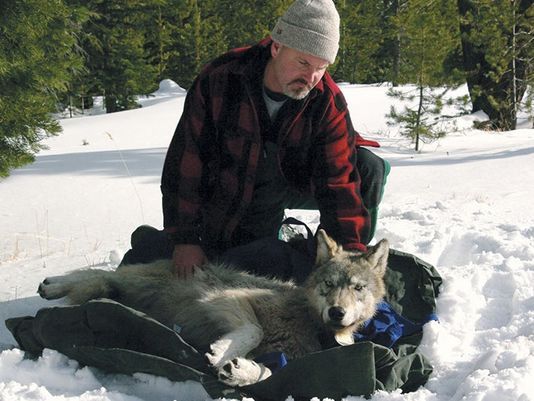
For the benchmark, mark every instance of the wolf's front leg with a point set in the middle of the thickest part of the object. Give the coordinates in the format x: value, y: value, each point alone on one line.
x: 242, y: 371
x: 238, y: 342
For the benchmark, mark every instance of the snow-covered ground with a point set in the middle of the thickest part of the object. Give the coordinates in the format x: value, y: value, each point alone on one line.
x: 464, y: 203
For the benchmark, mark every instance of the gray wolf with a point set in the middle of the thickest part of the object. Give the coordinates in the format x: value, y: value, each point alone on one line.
x: 234, y: 316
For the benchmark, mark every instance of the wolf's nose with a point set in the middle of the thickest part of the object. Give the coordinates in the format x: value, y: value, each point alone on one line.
x: 336, y: 313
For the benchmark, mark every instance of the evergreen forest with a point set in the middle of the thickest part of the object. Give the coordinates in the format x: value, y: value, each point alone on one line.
x: 60, y: 53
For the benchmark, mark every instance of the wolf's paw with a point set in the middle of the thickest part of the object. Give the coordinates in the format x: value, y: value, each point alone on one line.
x: 242, y: 371
x: 219, y: 352
x: 53, y: 287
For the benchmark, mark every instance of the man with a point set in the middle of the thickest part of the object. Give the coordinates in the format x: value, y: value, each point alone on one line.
x: 265, y: 128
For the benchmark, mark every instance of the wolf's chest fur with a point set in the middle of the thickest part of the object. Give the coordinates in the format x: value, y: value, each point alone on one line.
x: 289, y: 324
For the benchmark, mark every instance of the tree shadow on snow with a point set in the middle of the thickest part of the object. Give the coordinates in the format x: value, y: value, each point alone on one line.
x: 126, y: 163
x: 456, y: 158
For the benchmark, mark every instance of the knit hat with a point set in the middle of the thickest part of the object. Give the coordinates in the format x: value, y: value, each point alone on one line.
x: 310, y: 26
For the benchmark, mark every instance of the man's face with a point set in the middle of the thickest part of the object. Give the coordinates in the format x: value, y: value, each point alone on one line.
x: 294, y: 73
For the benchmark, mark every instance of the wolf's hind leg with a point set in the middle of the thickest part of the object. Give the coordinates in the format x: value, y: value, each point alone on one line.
x: 79, y: 286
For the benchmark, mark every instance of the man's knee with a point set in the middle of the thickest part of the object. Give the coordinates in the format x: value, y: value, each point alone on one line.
x: 148, y: 244
x: 373, y: 171
x: 369, y: 163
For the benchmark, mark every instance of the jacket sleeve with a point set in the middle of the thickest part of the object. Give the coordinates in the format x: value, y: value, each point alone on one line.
x: 336, y: 180
x: 184, y: 170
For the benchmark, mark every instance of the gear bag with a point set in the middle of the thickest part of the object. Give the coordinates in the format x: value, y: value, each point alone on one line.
x: 117, y: 339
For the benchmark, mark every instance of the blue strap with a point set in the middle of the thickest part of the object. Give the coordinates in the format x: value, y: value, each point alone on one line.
x: 273, y: 360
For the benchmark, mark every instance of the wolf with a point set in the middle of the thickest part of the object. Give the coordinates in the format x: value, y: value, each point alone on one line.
x: 234, y: 316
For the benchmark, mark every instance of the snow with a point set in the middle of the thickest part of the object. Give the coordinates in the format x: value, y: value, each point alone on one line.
x: 463, y: 203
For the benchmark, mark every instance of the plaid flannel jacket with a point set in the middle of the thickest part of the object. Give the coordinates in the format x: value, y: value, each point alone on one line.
x: 209, y: 171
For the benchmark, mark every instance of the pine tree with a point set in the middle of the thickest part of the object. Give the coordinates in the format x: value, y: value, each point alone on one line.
x: 427, y: 40
x: 38, y: 57
x: 158, y: 38
x: 195, y: 38
x: 114, y: 43
x: 524, y: 51
x: 362, y: 37
x: 245, y: 23
x: 390, y: 53
x: 203, y: 30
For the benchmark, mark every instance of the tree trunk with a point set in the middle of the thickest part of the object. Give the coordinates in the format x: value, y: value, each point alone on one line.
x: 497, y: 98
x: 110, y: 101
x: 396, y: 56
x: 419, y: 114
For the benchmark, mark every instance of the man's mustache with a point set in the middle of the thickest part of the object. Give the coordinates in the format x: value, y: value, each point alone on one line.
x: 299, y: 81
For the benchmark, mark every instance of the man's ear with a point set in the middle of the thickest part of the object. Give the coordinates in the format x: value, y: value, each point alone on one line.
x: 326, y: 247
x: 275, y: 48
x: 377, y: 256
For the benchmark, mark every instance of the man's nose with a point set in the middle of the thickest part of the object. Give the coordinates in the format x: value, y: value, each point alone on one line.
x: 312, y: 76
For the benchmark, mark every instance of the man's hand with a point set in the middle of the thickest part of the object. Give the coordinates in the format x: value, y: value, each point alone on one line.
x: 185, y: 257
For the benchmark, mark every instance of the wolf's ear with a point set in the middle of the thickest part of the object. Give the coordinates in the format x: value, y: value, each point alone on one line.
x: 377, y: 256
x: 326, y: 247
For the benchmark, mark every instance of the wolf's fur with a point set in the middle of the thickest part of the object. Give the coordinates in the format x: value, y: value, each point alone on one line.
x: 233, y: 315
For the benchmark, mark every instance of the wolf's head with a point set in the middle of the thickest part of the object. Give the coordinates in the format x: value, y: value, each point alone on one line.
x: 346, y: 286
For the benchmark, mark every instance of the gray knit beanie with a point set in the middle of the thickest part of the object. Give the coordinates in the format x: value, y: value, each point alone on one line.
x: 310, y: 26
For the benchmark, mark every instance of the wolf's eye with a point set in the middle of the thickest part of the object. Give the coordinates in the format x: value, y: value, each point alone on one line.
x: 329, y: 283
x: 359, y: 287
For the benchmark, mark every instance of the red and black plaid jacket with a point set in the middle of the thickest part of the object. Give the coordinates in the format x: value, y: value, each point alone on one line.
x: 209, y: 172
